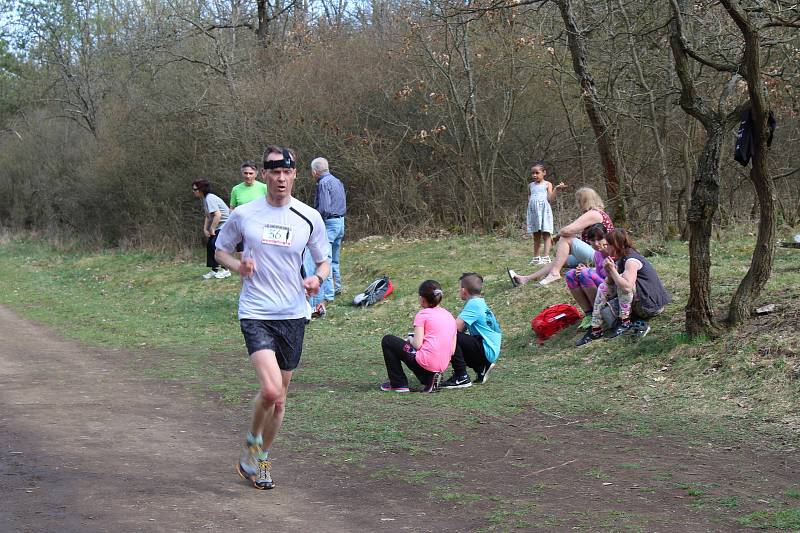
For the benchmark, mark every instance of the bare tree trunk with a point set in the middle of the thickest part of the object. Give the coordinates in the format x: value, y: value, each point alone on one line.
x: 764, y: 253
x: 603, y: 134
x: 705, y: 201
x: 263, y: 21
x: 705, y: 191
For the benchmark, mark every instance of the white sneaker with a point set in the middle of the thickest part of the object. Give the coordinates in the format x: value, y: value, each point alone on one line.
x: 210, y: 274
x: 545, y: 260
x: 222, y: 274
x: 536, y: 260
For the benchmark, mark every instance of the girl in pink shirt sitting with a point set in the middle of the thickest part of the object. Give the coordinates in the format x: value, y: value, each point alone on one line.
x: 428, y: 350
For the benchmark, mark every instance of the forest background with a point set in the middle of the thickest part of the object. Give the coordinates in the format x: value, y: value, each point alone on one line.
x: 430, y: 111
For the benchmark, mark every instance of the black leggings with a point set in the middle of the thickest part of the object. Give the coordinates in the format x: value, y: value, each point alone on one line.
x: 397, y: 351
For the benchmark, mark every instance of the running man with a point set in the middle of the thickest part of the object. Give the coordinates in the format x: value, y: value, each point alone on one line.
x: 272, y: 303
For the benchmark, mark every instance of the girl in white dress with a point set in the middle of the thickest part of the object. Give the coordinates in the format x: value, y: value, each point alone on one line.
x: 540, y: 214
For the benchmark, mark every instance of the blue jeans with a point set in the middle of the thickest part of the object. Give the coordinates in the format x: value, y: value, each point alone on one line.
x: 335, y: 230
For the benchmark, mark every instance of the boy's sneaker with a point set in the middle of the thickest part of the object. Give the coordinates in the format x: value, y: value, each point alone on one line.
x: 623, y: 328
x: 435, y: 383
x: 483, y: 375
x: 222, y: 273
x: 386, y: 386
x: 248, y: 464
x: 210, y: 274
x: 589, y: 336
x: 545, y: 260
x: 263, y: 478
x: 457, y: 382
x: 535, y: 261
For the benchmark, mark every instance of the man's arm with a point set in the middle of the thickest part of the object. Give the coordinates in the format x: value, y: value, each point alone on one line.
x: 313, y: 282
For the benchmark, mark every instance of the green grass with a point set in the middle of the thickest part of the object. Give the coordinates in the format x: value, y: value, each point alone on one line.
x: 787, y: 519
x: 741, y: 386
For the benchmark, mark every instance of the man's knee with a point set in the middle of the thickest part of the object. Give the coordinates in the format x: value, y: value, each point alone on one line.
x: 271, y: 395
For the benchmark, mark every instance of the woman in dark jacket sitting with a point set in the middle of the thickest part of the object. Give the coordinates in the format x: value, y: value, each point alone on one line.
x: 632, y: 282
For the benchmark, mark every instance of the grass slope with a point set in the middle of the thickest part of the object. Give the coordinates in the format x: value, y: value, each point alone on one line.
x: 741, y: 386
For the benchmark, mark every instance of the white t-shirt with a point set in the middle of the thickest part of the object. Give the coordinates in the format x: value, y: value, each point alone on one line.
x: 276, y: 238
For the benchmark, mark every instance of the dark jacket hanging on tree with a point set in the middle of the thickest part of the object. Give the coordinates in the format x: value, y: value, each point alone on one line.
x: 743, y: 149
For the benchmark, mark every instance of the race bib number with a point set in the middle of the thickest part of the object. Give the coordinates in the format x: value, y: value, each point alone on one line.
x: 277, y: 235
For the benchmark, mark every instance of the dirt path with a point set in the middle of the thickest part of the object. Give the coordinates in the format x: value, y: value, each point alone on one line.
x: 87, y: 445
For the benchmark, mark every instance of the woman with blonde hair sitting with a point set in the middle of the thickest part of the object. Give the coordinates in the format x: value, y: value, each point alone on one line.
x: 573, y: 247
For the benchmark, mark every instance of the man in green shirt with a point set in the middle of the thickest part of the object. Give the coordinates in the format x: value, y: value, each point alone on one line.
x: 249, y: 189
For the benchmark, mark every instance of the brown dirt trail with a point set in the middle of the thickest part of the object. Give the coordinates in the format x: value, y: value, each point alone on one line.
x: 87, y: 444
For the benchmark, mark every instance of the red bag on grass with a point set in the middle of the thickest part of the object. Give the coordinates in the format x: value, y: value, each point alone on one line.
x: 553, y: 319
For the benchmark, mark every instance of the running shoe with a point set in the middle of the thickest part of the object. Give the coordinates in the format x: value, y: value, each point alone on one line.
x: 387, y: 387
x: 456, y: 382
x: 248, y: 464
x: 222, y: 274
x: 263, y: 479
x: 210, y: 274
x: 535, y: 261
x: 483, y: 375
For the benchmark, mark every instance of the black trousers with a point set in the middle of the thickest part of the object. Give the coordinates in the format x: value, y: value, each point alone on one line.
x: 469, y: 353
x: 211, y: 249
x: 397, y: 351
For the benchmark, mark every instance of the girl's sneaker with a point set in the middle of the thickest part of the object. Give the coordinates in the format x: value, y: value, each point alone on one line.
x: 435, y: 383
x: 545, y: 260
x: 589, y: 336
x: 386, y: 386
x: 535, y: 261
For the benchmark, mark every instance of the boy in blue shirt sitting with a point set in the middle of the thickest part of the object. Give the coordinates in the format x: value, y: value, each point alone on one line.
x: 480, y: 348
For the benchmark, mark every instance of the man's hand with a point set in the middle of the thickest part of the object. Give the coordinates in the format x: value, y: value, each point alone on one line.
x: 247, y: 267
x: 311, y: 285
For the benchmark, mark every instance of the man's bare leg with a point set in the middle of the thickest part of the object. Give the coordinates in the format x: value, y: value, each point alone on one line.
x: 268, y: 410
